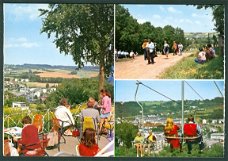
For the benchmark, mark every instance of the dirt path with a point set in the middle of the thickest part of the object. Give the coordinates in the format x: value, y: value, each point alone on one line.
x: 138, y: 69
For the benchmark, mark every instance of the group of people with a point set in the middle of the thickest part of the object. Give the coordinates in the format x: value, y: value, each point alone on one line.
x: 192, y: 134
x: 149, y: 49
x: 88, y: 146
x: 177, y: 48
x: 205, y: 53
x: 141, y: 142
x: 99, y: 113
x: 125, y: 54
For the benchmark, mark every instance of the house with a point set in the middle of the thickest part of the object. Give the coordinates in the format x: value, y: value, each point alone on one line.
x: 37, y: 94
x: 204, y: 121
x: 214, y: 121
x: 221, y: 121
x: 21, y: 105
x: 213, y: 130
x: 24, y: 80
x: 44, y: 90
x: 52, y: 89
x: 217, y: 136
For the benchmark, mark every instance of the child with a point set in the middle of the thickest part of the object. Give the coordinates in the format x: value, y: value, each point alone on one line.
x: 88, y: 145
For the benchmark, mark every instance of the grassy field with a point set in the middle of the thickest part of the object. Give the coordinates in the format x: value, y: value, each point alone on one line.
x: 188, y: 69
x: 58, y: 73
x: 216, y: 150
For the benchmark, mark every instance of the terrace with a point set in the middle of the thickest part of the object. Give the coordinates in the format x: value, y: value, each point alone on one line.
x: 12, y: 118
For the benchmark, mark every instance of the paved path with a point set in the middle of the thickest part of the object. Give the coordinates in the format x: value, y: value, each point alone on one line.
x: 68, y: 149
x: 139, y: 69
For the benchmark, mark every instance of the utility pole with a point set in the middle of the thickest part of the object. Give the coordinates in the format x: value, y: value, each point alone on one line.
x: 182, y: 122
x: 138, y: 83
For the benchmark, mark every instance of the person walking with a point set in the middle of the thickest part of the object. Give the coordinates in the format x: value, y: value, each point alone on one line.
x: 166, y: 49
x: 144, y: 47
x: 150, y: 53
x: 175, y: 48
x: 180, y: 49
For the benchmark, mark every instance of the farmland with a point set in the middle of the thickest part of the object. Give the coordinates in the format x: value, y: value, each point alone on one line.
x: 57, y: 75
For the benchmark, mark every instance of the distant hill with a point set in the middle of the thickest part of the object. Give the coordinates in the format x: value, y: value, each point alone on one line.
x: 199, y: 34
x: 46, y: 66
x: 212, y: 108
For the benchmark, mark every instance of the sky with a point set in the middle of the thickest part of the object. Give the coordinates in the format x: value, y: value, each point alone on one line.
x: 188, y: 18
x: 125, y: 90
x: 23, y: 42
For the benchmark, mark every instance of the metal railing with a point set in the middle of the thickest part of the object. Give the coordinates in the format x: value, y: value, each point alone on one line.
x: 13, y: 118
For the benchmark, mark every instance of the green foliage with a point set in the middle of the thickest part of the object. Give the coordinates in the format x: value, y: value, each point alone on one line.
x: 212, y: 108
x: 35, y: 78
x: 125, y: 152
x: 130, y: 34
x: 217, y: 150
x: 13, y: 116
x: 188, y: 69
x: 76, y: 91
x: 84, y: 31
x: 126, y: 132
x: 9, y: 98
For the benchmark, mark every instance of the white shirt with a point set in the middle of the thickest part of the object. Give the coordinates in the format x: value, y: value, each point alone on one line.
x: 150, y: 46
x: 180, y: 46
x: 62, y: 113
x: 202, y: 55
x: 131, y: 53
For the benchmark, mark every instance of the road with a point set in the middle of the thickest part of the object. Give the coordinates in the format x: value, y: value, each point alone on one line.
x: 139, y: 69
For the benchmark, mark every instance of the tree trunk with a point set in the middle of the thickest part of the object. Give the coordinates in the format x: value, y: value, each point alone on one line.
x: 101, y: 76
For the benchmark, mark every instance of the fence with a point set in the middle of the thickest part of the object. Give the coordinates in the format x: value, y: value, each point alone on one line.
x: 13, y: 117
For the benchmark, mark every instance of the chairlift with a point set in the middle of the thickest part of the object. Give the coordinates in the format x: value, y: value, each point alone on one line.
x: 182, y: 137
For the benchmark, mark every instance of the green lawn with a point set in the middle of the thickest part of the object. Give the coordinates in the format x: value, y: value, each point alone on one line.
x: 188, y: 69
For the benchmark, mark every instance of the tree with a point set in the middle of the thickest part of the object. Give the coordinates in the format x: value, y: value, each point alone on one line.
x: 127, y: 30
x: 84, y: 31
x: 218, y: 17
x: 76, y: 91
x: 126, y: 132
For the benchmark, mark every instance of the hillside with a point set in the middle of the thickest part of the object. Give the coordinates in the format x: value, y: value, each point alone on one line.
x: 208, y: 108
x: 190, y: 35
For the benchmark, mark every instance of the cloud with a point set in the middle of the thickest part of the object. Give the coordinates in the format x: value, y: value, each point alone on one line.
x: 197, y: 22
x: 24, y: 11
x: 20, y: 42
x: 206, y: 15
x: 156, y: 16
x: 141, y: 20
x: 185, y: 20
x: 173, y: 10
x: 161, y: 8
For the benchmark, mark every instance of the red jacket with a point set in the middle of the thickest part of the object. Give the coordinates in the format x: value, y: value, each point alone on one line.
x: 174, y: 131
x: 88, y: 151
x: 174, y: 141
x: 190, y: 129
x: 30, y: 137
